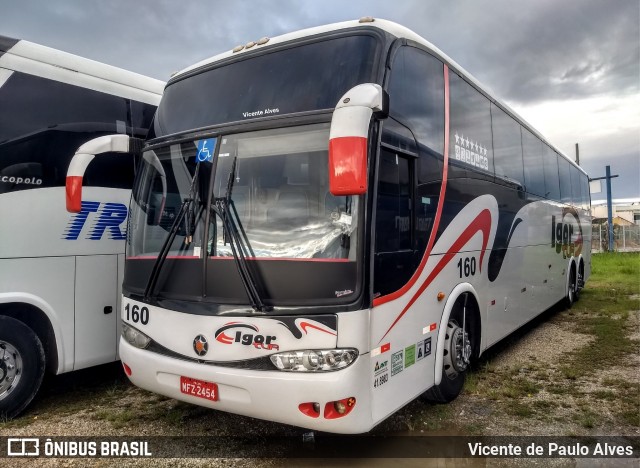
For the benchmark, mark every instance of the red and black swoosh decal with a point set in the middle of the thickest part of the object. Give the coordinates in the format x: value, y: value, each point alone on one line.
x: 482, y: 223
x: 328, y: 321
x: 307, y: 325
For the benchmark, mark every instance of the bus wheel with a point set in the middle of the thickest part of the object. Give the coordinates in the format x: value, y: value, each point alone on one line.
x: 22, y: 364
x: 457, y: 355
x: 570, y: 298
x: 580, y: 283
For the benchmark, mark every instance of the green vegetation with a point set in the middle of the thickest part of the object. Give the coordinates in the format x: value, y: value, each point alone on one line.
x: 572, y: 385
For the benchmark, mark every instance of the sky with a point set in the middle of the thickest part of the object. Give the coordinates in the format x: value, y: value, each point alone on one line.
x: 570, y: 68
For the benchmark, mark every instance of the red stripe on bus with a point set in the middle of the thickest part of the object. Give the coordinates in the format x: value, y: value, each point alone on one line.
x: 482, y: 224
x: 305, y: 325
x: 434, y: 231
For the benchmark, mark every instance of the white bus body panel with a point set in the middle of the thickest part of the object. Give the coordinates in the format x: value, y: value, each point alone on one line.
x: 265, y: 394
x: 73, y: 280
x: 45, y: 62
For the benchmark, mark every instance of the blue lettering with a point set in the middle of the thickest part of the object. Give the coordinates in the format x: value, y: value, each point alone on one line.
x: 110, y: 217
x: 77, y: 222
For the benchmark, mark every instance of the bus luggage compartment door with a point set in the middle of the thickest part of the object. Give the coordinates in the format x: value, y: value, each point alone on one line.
x: 96, y: 292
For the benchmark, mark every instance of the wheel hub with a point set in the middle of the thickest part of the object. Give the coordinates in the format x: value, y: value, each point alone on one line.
x: 458, y: 350
x: 10, y: 368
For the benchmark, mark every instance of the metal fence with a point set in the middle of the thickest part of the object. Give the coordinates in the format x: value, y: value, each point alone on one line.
x: 625, y: 238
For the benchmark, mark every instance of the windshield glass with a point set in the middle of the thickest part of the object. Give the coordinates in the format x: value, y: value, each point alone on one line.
x: 281, y: 195
x: 301, y: 241
x: 299, y: 78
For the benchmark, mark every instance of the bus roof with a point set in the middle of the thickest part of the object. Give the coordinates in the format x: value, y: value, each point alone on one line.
x: 45, y: 62
x: 395, y: 30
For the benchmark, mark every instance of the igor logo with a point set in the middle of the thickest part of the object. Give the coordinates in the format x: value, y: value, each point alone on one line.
x: 238, y: 335
x: 109, y: 217
x: 562, y: 235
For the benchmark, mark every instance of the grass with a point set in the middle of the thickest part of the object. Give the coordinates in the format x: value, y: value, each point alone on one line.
x: 612, y: 291
x: 603, y: 313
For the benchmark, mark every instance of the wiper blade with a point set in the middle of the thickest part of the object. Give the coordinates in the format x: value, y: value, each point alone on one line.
x: 235, y: 234
x: 186, y: 210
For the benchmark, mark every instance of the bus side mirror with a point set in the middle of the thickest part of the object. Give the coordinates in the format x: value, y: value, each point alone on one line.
x: 85, y: 154
x: 348, y: 137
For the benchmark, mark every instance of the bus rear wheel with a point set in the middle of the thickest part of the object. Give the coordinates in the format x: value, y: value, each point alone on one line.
x: 458, y: 348
x: 570, y: 298
x: 22, y: 365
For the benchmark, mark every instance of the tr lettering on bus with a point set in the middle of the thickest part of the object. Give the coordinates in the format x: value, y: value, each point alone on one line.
x: 108, y: 217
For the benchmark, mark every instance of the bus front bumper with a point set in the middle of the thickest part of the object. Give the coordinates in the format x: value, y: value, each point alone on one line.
x: 270, y: 395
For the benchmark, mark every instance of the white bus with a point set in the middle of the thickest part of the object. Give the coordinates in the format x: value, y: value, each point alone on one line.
x: 60, y: 274
x: 330, y: 223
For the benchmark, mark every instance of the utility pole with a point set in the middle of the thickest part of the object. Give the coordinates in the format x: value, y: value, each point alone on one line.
x: 608, y: 178
x: 577, y: 155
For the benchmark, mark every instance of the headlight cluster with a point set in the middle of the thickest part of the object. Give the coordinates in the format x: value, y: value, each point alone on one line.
x: 135, y: 337
x: 324, y: 360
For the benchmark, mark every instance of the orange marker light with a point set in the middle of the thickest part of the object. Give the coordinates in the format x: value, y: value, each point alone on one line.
x: 440, y: 296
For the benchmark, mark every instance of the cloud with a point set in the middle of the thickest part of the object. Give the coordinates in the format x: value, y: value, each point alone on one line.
x: 571, y: 68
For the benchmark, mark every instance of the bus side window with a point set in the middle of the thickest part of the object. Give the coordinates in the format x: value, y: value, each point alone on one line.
x: 576, y: 187
x: 550, y: 162
x: 393, y: 245
x: 507, y: 147
x: 470, y: 139
x: 533, y: 168
x: 565, y: 180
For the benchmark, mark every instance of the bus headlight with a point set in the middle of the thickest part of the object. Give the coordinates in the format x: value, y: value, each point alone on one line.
x: 314, y: 360
x: 135, y: 337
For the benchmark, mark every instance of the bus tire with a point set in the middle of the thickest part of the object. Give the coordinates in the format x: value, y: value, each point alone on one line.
x: 22, y: 366
x: 580, y: 282
x: 452, y: 379
x: 570, y: 298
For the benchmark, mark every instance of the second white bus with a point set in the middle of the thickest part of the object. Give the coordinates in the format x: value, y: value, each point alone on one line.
x: 60, y: 274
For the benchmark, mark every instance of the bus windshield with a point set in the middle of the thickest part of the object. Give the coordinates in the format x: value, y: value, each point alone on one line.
x: 276, y: 184
x: 299, y: 78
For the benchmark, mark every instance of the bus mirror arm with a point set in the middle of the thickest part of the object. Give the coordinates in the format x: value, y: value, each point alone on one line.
x: 83, y: 157
x: 348, y: 137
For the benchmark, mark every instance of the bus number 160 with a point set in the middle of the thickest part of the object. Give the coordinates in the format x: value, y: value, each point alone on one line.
x: 137, y: 314
x: 467, y: 267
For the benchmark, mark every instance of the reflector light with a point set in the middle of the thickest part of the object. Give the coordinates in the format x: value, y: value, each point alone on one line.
x: 310, y: 409
x: 74, y: 194
x: 339, y: 408
x: 127, y: 369
x: 348, y: 158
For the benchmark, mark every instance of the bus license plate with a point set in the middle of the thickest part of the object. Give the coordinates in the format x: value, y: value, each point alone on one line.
x: 199, y: 388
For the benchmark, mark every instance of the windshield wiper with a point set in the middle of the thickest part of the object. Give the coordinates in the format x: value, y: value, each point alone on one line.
x: 187, y: 209
x: 235, y: 234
